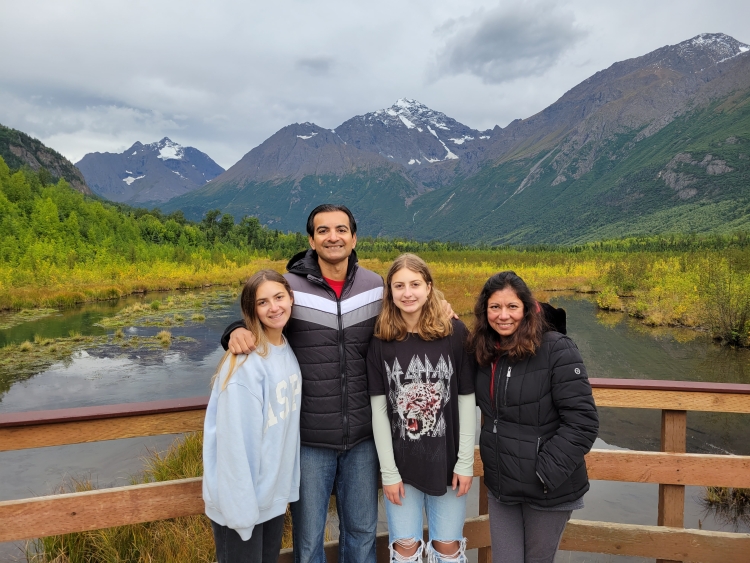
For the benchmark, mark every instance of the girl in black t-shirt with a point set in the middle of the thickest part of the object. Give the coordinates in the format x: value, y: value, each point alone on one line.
x: 421, y: 384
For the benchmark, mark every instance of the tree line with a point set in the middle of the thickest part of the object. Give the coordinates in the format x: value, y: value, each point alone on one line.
x: 44, y: 219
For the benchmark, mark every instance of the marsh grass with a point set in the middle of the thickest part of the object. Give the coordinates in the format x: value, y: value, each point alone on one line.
x: 166, y: 541
x: 728, y: 505
x: 86, y: 283
x: 165, y: 337
x: 180, y: 540
x: 41, y: 341
x: 24, y: 316
x: 702, y: 288
x: 170, y: 311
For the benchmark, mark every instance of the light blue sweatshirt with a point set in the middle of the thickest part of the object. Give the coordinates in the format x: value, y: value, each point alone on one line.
x: 251, y: 441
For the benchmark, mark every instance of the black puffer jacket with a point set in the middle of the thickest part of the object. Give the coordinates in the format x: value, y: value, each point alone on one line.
x: 538, y: 424
x: 330, y: 337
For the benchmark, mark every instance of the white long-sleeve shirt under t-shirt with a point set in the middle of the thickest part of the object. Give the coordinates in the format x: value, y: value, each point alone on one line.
x: 251, y: 441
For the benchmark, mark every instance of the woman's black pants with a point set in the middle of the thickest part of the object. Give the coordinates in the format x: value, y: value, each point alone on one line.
x: 262, y: 547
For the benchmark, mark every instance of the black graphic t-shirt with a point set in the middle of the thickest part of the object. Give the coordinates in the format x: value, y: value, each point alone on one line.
x: 421, y: 381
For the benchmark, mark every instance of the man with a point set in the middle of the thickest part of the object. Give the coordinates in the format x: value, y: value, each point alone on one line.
x: 336, y: 303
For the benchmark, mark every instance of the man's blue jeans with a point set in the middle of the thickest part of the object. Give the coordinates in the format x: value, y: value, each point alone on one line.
x: 355, y: 475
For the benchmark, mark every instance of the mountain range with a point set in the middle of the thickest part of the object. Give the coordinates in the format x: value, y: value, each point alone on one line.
x: 148, y: 174
x: 657, y: 143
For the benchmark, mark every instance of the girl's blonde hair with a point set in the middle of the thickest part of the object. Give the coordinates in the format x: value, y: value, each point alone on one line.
x: 252, y: 322
x: 433, y: 322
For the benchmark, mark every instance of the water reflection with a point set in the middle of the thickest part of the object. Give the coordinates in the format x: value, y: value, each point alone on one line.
x: 614, y: 345
x: 113, y: 374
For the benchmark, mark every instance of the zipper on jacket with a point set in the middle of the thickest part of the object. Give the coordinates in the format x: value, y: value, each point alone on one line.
x: 505, y: 389
x: 342, y: 367
x: 496, y: 397
x: 538, y: 446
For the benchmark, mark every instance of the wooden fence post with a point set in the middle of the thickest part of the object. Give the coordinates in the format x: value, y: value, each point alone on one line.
x: 672, y: 497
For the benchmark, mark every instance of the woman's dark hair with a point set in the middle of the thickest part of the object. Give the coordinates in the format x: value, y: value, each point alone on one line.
x: 486, y: 344
x: 328, y: 208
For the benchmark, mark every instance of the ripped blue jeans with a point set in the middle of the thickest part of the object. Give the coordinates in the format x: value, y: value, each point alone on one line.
x: 445, y: 522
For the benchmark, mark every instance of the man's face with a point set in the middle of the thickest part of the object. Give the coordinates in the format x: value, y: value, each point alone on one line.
x: 332, y: 237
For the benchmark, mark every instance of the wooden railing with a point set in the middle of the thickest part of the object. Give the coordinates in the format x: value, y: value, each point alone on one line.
x: 671, y: 468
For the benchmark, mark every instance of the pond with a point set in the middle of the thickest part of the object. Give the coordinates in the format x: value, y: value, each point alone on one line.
x: 613, y: 346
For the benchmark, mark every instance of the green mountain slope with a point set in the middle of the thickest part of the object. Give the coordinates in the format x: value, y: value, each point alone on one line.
x: 18, y: 149
x: 692, y: 176
x: 376, y: 196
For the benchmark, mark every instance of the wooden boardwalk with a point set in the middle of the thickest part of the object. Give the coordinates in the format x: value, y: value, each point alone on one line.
x: 671, y: 468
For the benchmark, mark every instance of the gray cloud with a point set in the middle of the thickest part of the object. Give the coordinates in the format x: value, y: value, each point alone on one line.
x: 225, y: 75
x: 509, y: 42
x: 316, y: 65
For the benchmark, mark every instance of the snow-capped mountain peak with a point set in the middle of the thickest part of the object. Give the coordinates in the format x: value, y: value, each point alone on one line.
x: 411, y: 134
x: 718, y: 42
x: 147, y: 173
x: 412, y: 114
x: 707, y: 49
x: 168, y: 149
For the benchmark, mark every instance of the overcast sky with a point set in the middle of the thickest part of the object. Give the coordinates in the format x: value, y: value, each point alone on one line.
x: 86, y: 76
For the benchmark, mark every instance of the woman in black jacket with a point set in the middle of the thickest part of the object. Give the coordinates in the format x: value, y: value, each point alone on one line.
x: 539, y: 421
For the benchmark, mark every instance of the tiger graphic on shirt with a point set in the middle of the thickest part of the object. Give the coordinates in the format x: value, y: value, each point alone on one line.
x: 418, y: 396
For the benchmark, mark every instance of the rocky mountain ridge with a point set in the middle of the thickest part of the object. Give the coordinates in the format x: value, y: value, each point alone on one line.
x: 151, y: 173
x: 442, y: 166
x: 19, y: 149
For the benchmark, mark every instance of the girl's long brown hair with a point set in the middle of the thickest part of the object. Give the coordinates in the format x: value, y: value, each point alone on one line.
x: 252, y: 322
x: 433, y: 322
x: 486, y: 344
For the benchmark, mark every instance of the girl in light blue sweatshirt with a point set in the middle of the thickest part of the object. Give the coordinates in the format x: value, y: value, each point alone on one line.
x: 251, y: 432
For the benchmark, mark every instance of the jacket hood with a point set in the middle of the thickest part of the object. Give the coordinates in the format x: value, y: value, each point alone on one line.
x: 305, y: 263
x: 556, y: 318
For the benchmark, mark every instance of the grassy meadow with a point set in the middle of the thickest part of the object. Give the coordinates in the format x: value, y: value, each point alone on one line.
x: 701, y: 288
x: 707, y: 289
x: 59, y: 248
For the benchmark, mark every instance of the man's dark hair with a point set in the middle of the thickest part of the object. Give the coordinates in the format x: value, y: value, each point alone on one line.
x: 327, y: 208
